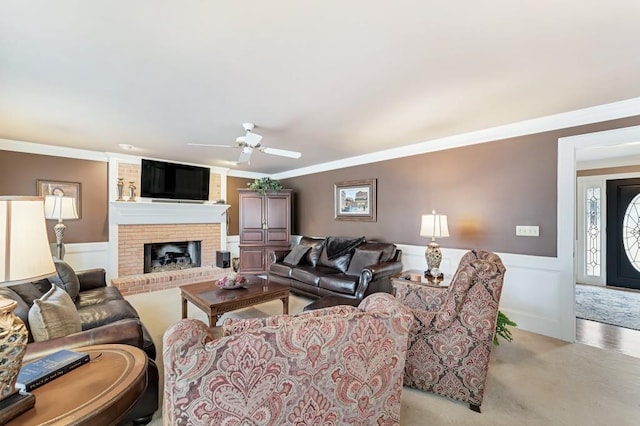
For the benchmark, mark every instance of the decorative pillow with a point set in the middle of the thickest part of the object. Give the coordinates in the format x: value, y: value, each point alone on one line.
x: 66, y: 279
x: 316, y: 244
x: 362, y: 258
x: 388, y: 250
x: 340, y: 263
x: 338, y: 246
x: 295, y: 255
x: 53, y: 315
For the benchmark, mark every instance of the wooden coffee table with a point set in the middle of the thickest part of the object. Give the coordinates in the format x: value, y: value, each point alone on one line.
x: 215, y: 301
x: 99, y: 392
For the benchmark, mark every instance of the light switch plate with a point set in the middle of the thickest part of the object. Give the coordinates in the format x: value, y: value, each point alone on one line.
x: 527, y: 231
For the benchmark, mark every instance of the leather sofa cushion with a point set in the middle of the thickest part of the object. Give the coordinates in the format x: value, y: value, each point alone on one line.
x: 66, y: 279
x: 361, y: 259
x: 97, y: 296
x: 53, y: 315
x: 280, y: 269
x: 340, y: 283
x: 296, y: 254
x: 316, y: 244
x: 340, y: 263
x: 93, y: 316
x: 388, y: 250
x: 306, y: 274
x: 30, y: 292
x: 309, y: 275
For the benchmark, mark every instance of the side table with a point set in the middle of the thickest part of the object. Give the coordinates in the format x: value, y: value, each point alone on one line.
x: 99, y: 392
x: 425, y: 278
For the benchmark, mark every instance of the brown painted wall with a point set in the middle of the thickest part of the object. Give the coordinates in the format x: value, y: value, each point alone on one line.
x: 485, y: 190
x: 18, y: 175
x: 233, y: 183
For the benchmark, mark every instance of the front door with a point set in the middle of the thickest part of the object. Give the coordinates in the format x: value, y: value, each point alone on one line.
x: 623, y: 233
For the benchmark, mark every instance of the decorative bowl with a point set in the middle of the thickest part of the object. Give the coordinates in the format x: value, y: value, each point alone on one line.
x: 231, y: 281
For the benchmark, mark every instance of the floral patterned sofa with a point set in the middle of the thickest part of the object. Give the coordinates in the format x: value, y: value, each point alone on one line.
x: 333, y: 366
x: 452, y: 336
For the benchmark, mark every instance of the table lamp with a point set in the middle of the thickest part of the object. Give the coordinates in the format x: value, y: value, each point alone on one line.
x: 60, y: 207
x: 24, y: 257
x: 434, y: 225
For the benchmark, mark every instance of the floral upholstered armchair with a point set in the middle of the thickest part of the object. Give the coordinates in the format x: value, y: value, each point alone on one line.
x: 332, y: 366
x: 452, y: 336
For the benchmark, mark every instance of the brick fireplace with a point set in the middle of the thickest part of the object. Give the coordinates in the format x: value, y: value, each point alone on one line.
x: 133, y: 225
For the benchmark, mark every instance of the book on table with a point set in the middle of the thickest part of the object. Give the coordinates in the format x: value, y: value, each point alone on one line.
x: 47, y: 368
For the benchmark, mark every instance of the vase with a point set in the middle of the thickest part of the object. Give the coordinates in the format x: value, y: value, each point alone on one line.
x: 120, y: 189
x: 235, y: 264
x: 13, y: 345
x: 132, y: 191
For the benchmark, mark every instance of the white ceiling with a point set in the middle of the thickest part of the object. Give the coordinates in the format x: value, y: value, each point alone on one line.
x: 331, y: 79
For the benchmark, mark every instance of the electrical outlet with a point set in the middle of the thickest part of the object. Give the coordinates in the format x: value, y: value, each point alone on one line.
x: 527, y: 231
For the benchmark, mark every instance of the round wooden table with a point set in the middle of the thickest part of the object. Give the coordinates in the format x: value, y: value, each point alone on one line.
x: 99, y: 392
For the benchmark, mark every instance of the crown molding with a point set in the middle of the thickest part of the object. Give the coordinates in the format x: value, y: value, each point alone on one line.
x: 611, y: 111
x: 52, y: 150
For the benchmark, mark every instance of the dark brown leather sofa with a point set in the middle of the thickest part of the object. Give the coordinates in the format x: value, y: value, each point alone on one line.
x: 355, y: 269
x: 106, y: 318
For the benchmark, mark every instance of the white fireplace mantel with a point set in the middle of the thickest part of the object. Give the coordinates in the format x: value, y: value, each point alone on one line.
x: 153, y: 213
x: 157, y: 213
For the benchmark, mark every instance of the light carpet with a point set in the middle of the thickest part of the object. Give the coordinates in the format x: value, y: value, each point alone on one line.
x: 534, y: 380
x: 609, y: 306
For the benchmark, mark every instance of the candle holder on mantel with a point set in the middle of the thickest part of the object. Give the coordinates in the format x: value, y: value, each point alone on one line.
x: 132, y: 191
x: 120, y: 186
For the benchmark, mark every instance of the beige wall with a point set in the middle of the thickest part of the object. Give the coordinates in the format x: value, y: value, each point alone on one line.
x: 18, y: 175
x: 486, y: 190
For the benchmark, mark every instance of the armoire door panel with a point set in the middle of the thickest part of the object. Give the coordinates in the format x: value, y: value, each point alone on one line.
x: 252, y: 214
x: 277, y: 236
x: 251, y: 236
x: 277, y: 211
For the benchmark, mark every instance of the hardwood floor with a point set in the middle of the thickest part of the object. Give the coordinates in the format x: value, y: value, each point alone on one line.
x: 610, y: 337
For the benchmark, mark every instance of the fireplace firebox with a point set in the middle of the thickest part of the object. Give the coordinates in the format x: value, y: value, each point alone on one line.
x: 171, y: 256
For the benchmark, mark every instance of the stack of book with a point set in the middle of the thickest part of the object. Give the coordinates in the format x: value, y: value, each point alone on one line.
x: 45, y: 369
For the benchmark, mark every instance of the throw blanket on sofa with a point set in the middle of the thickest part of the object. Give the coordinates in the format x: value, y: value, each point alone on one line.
x: 337, y: 246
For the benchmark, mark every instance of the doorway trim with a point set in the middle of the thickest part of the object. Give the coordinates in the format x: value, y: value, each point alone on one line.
x: 567, y: 178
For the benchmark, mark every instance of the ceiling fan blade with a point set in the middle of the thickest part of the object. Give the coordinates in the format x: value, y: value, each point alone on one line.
x: 245, y: 155
x: 252, y: 139
x: 281, y: 152
x: 212, y: 145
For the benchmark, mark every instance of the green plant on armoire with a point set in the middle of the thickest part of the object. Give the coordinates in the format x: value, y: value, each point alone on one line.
x: 502, y: 328
x: 263, y: 185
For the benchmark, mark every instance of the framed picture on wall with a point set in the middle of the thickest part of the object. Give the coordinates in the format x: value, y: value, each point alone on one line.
x: 356, y: 200
x: 56, y: 187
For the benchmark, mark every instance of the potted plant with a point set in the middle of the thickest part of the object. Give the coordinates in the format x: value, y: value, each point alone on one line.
x: 264, y: 184
x: 502, y: 329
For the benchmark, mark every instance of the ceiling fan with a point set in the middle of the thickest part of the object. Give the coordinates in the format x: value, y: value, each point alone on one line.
x: 251, y: 142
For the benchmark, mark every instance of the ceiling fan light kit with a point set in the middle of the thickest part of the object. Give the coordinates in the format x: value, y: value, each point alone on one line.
x: 251, y: 141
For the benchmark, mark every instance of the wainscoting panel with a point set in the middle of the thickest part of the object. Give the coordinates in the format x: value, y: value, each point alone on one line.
x: 83, y: 256
x: 531, y: 294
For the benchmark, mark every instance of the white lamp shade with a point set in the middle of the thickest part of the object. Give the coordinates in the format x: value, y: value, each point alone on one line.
x: 434, y: 225
x: 24, y: 249
x: 60, y: 207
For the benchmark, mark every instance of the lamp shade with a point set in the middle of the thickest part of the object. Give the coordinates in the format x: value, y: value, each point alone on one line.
x: 60, y: 207
x: 434, y: 225
x: 24, y: 249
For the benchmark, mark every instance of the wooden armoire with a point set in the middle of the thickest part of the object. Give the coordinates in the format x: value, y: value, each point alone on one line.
x: 265, y: 226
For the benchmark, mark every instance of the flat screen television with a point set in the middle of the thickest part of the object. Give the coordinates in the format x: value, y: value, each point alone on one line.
x: 164, y: 180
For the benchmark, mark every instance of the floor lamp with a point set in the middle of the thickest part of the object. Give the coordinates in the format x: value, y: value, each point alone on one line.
x: 25, y: 256
x: 60, y: 208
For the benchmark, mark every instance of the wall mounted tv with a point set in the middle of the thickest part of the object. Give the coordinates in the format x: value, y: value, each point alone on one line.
x: 160, y: 179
